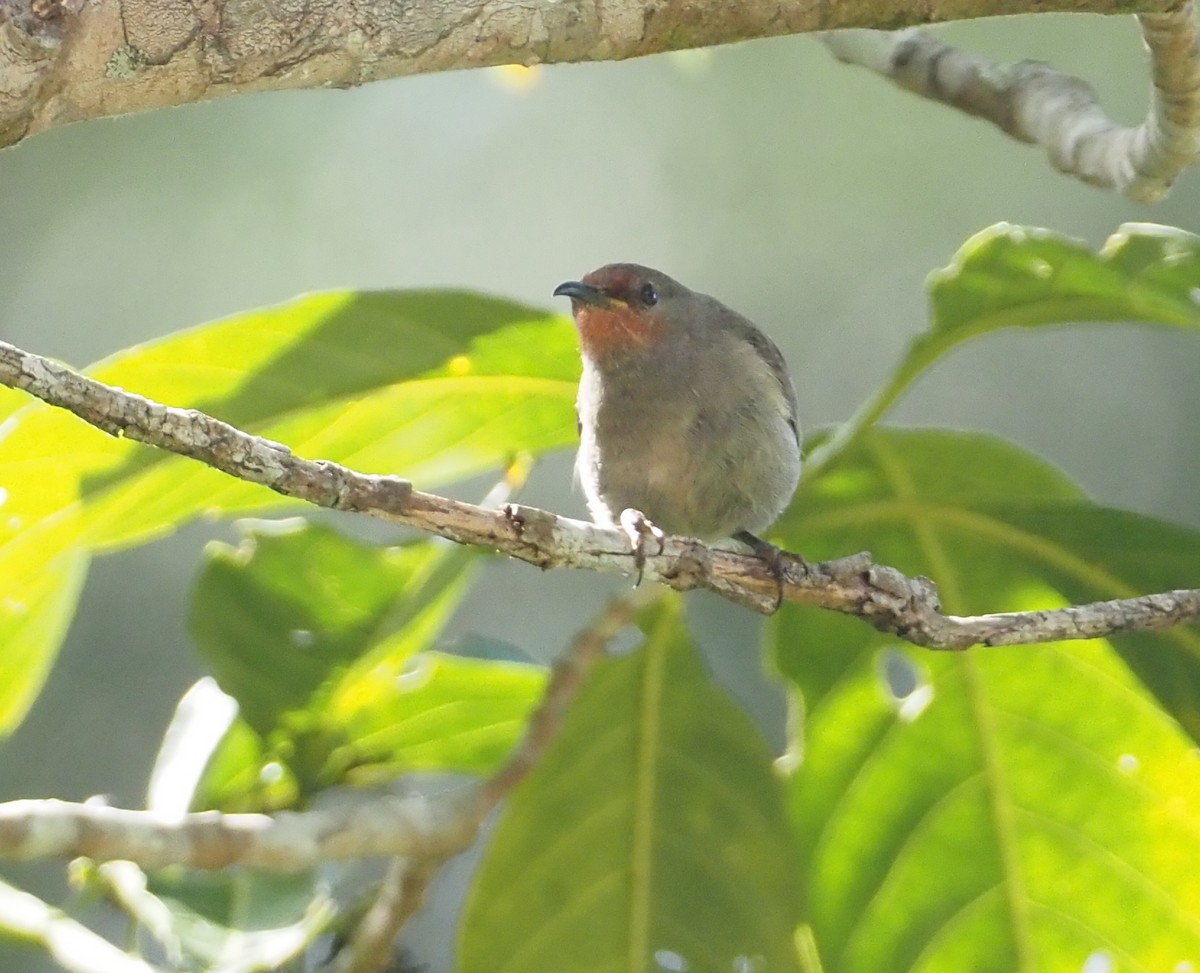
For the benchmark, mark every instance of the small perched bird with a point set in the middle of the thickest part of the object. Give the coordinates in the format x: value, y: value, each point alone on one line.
x: 687, y: 416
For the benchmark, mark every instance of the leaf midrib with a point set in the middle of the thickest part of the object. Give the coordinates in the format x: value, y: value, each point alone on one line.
x: 645, y: 795
x: 999, y: 798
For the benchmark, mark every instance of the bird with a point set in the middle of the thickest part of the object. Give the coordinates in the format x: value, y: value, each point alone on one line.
x: 686, y: 412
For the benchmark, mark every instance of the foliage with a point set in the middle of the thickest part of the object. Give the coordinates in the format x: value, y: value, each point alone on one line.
x: 998, y: 809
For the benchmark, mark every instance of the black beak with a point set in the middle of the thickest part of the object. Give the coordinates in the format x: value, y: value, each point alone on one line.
x: 577, y: 290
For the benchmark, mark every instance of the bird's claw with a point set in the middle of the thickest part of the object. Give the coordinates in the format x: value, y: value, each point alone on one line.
x: 774, y: 558
x: 638, y: 528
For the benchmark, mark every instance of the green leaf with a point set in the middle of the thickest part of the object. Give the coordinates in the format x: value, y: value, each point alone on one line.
x: 278, y: 615
x: 34, y: 615
x: 323, y: 641
x: 42, y: 568
x: 1012, y: 276
x: 441, y: 713
x: 1026, y: 277
x: 452, y: 390
x: 431, y: 385
x: 1019, y: 808
x: 650, y: 834
x: 1017, y: 533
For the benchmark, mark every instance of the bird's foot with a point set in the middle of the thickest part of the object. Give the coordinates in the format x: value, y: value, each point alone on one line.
x: 639, y: 529
x: 769, y: 553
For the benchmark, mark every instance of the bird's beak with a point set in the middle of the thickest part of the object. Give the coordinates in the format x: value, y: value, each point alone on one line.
x: 577, y: 290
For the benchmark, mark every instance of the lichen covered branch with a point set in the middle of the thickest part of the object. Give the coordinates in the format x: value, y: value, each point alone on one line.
x: 879, y: 595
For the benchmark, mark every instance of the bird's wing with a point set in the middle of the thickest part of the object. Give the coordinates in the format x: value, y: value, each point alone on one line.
x: 770, y: 353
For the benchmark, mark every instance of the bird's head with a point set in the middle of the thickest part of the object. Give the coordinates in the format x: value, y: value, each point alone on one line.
x: 622, y: 309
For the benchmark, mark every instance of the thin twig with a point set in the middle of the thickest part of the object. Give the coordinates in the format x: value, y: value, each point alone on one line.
x: 570, y: 672
x: 404, y: 887
x: 71, y: 944
x: 399, y: 897
x: 1033, y: 102
x: 879, y: 595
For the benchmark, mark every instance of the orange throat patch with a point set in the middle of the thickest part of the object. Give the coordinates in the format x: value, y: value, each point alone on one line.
x: 607, y: 332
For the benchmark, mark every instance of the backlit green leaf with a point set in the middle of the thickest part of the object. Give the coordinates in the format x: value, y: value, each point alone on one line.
x: 276, y: 617
x: 1019, y: 808
x: 441, y: 712
x: 435, y: 386
x: 323, y: 641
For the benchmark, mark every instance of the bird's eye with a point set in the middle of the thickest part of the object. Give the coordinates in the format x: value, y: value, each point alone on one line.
x: 649, y: 295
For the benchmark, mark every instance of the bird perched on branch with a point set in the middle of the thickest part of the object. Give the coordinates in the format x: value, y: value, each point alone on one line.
x: 687, y: 416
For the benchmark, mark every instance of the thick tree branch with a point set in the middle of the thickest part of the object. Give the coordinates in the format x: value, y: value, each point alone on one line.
x: 879, y: 595
x: 1034, y: 103
x: 68, y: 60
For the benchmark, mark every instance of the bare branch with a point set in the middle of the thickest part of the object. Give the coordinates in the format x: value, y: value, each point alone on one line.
x: 882, y: 596
x: 287, y: 842
x: 66, y: 60
x: 1034, y: 103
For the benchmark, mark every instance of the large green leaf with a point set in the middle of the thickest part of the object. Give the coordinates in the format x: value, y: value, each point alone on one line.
x: 1012, y: 276
x: 1020, y: 808
x: 322, y: 642
x: 431, y: 385
x: 1026, y: 277
x: 650, y: 836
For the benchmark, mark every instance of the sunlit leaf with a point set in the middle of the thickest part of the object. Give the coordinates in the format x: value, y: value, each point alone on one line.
x: 1016, y: 808
x: 441, y: 713
x: 650, y: 836
x: 244, y: 775
x: 1012, y: 276
x: 431, y: 385
x: 34, y: 615
x: 277, y: 616
x: 324, y: 642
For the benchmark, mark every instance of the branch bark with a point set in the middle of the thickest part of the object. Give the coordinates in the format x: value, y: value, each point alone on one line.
x: 1034, y: 103
x: 879, y: 595
x: 67, y: 60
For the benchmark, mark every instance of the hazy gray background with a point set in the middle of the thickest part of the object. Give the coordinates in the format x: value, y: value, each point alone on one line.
x: 812, y: 197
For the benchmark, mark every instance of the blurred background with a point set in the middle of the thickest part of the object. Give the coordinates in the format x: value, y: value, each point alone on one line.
x: 812, y: 197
